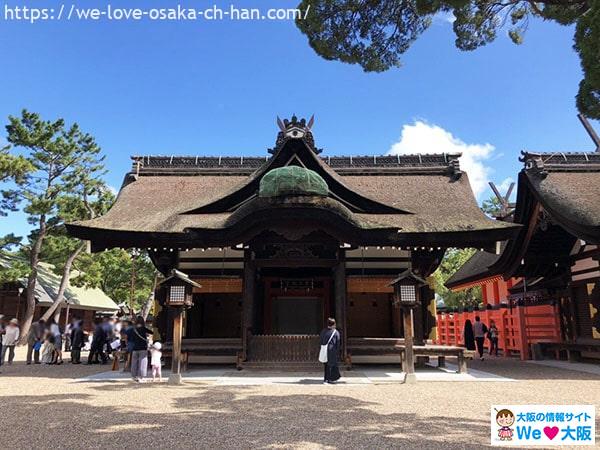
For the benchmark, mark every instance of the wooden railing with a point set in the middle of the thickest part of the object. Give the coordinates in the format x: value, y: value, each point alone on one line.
x: 517, y: 328
x: 283, y: 348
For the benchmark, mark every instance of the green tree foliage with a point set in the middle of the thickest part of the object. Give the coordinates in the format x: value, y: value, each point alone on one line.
x: 12, y: 268
x: 491, y: 206
x: 12, y: 167
x: 17, y: 269
x: 9, y: 240
x: 453, y: 260
x: 64, y: 164
x: 587, y: 44
x: 375, y: 34
x: 113, y: 272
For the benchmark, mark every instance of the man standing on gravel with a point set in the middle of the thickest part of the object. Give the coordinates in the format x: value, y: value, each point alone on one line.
x: 2, y: 330
x: 77, y: 341
x: 34, y: 341
x: 9, y: 340
x: 479, y: 330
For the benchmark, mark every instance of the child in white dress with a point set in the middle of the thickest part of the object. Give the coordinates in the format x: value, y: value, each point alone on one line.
x: 155, y: 355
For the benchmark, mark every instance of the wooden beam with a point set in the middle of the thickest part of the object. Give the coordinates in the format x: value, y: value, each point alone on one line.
x: 218, y: 285
x: 248, y: 291
x: 339, y: 274
x: 371, y: 284
x: 175, y: 377
x: 408, y: 365
x: 296, y: 263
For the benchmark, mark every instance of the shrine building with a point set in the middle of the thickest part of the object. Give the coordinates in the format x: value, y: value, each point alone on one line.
x: 276, y: 244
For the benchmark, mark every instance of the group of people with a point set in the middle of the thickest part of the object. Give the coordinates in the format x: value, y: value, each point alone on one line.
x: 476, y: 333
x: 126, y: 341
x: 46, y: 340
x: 40, y: 333
x: 123, y: 340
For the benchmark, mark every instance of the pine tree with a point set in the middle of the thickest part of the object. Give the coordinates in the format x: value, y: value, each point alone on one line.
x: 63, y: 167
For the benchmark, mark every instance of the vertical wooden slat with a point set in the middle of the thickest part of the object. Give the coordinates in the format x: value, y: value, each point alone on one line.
x: 284, y: 348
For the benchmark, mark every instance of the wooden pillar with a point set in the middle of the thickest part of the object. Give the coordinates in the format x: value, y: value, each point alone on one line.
x: 339, y: 275
x: 175, y: 377
x: 249, y: 290
x: 409, y: 357
x: 396, y: 320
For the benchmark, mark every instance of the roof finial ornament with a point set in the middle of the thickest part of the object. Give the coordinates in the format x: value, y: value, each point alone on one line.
x: 295, y: 128
x: 280, y: 124
x: 533, y: 163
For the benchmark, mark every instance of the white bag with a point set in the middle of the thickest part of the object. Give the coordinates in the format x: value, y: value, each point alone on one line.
x: 323, y: 351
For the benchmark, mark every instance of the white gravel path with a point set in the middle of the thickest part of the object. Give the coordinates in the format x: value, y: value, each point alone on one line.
x: 42, y: 407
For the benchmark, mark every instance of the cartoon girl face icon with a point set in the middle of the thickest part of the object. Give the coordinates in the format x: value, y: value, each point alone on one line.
x: 505, y: 419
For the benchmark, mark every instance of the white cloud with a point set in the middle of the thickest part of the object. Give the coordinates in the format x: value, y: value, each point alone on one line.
x: 113, y: 189
x: 444, y: 17
x: 422, y: 137
x: 504, y: 185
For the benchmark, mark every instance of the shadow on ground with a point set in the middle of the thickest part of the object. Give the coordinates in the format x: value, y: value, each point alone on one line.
x: 228, y: 417
x: 521, y: 370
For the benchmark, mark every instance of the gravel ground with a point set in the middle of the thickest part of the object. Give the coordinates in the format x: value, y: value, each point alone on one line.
x: 43, y: 407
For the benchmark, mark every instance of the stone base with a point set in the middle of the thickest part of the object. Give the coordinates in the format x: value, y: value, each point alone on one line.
x: 175, y: 378
x: 410, y: 378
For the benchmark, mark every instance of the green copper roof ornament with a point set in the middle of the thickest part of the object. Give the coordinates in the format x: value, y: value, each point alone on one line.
x: 292, y: 180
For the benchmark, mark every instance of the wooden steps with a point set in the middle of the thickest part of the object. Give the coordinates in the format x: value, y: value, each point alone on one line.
x: 295, y: 366
x: 298, y: 366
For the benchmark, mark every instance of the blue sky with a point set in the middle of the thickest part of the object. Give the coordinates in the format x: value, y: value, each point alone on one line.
x: 215, y: 88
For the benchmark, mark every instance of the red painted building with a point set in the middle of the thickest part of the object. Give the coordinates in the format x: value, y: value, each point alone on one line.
x: 549, y: 274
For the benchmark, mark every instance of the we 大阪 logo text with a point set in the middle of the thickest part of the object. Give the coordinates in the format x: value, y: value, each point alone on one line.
x: 542, y: 425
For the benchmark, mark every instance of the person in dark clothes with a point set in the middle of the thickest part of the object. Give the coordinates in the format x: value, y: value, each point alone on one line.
x: 2, y: 330
x: 126, y: 345
x: 493, y: 337
x: 330, y: 337
x: 98, y: 341
x: 34, y: 341
x: 138, y: 337
x: 77, y: 341
x: 469, y: 336
x: 479, y: 330
x: 108, y: 325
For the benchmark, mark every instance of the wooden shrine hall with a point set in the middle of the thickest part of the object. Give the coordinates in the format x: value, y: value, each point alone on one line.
x: 554, y: 261
x: 276, y: 244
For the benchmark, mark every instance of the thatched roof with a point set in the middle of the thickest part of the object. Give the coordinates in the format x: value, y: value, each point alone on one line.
x: 557, y: 203
x: 179, y: 199
x: 568, y: 187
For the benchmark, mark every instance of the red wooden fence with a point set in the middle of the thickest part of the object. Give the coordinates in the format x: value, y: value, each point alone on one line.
x: 518, y: 327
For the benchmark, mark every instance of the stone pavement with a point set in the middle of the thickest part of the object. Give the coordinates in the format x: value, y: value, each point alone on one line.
x: 45, y: 407
x: 360, y: 375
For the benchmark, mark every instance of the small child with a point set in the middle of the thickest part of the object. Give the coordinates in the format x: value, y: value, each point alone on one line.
x: 156, y: 354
